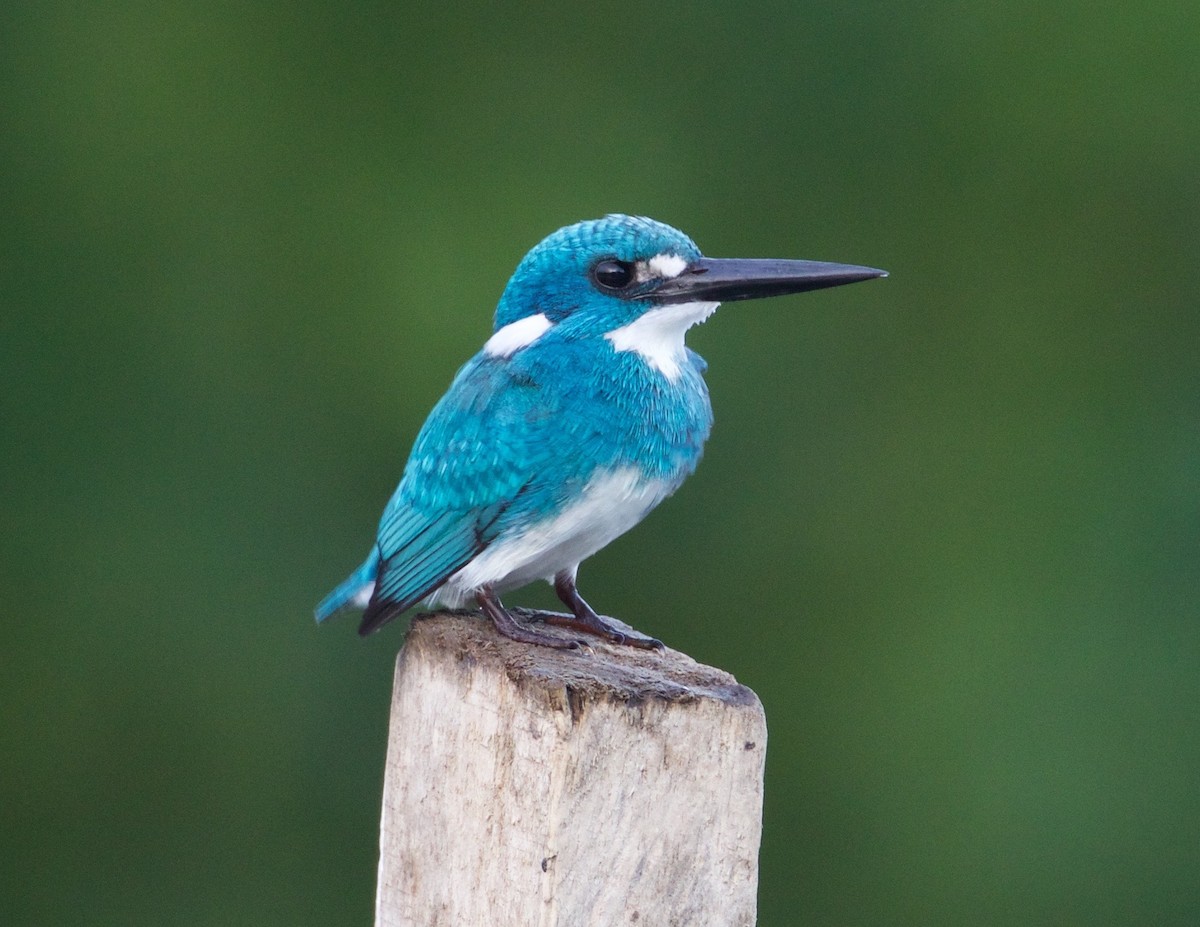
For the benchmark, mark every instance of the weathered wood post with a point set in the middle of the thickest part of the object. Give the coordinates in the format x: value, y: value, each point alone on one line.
x: 529, y: 786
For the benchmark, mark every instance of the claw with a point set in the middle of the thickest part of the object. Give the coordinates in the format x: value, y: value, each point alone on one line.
x: 507, y: 625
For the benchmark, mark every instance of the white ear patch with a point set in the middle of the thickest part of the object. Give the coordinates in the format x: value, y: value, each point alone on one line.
x: 657, y: 335
x: 516, y: 335
x: 667, y: 265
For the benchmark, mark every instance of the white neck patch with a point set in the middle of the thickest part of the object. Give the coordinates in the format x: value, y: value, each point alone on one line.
x: 516, y: 335
x: 658, y: 335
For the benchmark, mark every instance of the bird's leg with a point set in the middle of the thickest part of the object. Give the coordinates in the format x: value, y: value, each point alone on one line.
x: 507, y: 625
x: 585, y: 618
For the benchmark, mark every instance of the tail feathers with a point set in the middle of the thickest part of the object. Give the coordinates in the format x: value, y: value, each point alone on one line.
x: 353, y: 592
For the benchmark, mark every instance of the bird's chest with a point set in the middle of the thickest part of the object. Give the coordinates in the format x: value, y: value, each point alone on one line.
x: 631, y: 414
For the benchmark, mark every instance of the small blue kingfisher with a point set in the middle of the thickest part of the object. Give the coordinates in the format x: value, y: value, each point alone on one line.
x: 583, y: 411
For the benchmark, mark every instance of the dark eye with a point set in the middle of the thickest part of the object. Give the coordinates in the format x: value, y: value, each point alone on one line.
x: 612, y: 275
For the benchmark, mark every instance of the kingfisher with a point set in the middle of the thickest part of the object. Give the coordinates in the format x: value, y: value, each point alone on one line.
x: 582, y: 412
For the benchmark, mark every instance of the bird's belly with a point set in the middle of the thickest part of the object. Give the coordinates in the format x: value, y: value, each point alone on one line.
x: 610, y: 504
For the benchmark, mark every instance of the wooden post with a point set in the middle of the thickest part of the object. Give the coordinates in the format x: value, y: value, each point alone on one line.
x: 529, y: 786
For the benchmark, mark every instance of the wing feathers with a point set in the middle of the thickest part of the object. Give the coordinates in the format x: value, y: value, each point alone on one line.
x: 423, y: 554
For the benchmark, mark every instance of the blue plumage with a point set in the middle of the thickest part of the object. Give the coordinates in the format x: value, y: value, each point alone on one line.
x: 581, y: 413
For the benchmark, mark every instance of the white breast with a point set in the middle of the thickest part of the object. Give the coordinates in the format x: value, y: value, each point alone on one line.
x: 610, y: 504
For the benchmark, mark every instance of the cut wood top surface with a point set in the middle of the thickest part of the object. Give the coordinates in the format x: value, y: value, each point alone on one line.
x: 601, y: 669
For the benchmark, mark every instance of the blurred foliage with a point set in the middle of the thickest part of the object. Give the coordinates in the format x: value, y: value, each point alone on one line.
x: 947, y: 526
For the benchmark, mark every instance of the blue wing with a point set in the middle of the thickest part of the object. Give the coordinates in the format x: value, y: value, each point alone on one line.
x: 479, y: 463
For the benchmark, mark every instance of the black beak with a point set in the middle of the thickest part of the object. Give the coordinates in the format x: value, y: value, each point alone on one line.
x: 719, y: 280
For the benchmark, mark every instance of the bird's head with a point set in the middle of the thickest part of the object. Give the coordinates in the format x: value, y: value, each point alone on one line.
x: 630, y: 278
x: 600, y: 267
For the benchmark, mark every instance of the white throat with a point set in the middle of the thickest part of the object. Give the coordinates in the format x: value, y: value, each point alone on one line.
x: 658, y: 335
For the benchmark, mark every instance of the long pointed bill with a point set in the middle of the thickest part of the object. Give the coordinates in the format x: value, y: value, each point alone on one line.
x: 725, y: 279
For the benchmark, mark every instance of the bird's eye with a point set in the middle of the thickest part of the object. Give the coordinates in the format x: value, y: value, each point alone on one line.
x: 612, y: 275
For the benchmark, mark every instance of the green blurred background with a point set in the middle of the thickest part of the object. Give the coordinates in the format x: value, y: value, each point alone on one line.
x: 947, y: 525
